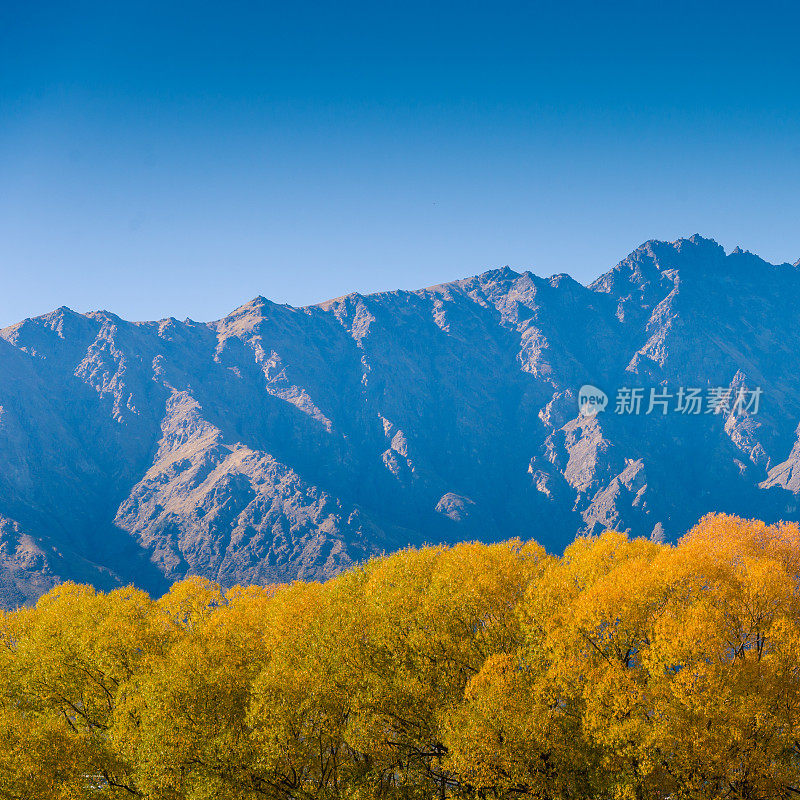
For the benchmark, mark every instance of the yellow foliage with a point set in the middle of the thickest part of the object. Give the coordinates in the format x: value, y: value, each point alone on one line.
x: 623, y: 669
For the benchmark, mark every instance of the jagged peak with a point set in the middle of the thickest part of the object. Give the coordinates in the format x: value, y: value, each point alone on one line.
x: 701, y: 241
x: 503, y: 273
x: 103, y: 315
x: 692, y: 244
x: 745, y: 260
x: 168, y: 324
x: 346, y: 300
x: 496, y: 275
x: 561, y: 279
x: 53, y: 320
x: 258, y: 306
x: 656, y: 260
x: 56, y: 314
x: 63, y: 311
x: 258, y: 303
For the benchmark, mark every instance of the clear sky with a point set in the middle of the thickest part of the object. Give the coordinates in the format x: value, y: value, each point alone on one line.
x: 176, y: 159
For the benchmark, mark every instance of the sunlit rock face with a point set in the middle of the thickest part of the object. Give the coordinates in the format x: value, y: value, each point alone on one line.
x: 282, y: 443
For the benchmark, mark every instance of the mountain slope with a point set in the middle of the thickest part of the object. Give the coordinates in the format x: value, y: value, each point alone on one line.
x: 281, y: 442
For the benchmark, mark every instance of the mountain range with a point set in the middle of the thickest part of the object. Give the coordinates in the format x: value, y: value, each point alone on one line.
x: 282, y: 443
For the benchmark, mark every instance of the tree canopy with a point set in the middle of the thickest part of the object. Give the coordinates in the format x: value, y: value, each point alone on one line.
x: 622, y: 669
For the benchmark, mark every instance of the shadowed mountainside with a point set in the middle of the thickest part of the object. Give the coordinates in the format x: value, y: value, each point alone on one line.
x: 286, y: 442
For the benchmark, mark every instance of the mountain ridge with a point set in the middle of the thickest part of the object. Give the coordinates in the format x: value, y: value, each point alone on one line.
x: 493, y: 272
x: 281, y: 442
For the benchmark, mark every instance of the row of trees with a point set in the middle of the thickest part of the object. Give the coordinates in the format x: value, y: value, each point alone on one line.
x: 624, y: 669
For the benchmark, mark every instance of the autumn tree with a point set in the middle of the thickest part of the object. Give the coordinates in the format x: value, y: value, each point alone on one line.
x: 622, y: 669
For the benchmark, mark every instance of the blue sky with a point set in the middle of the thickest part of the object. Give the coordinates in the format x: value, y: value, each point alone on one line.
x: 177, y: 159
